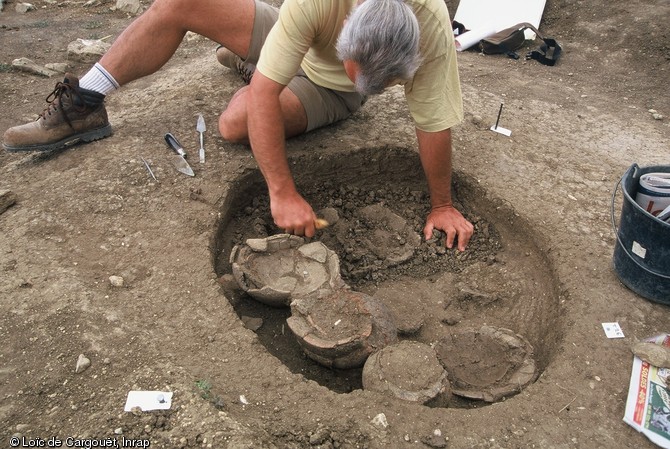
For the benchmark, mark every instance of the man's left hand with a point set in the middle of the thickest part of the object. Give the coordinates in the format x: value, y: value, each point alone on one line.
x: 449, y: 220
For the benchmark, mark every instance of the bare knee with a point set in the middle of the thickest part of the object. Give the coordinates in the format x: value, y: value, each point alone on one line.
x: 168, y: 7
x: 232, y: 128
x: 233, y: 120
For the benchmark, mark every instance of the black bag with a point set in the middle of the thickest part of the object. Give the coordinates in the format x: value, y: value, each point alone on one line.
x: 511, y: 39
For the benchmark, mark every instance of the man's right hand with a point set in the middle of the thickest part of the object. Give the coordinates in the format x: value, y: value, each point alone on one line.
x: 293, y: 214
x: 289, y: 209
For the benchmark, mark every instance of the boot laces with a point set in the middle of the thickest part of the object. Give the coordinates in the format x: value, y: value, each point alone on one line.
x: 61, y: 89
x: 245, y: 70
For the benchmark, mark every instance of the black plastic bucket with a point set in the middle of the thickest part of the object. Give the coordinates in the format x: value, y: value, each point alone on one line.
x: 642, y: 252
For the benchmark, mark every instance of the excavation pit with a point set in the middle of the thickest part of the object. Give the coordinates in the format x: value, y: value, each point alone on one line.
x: 376, y: 201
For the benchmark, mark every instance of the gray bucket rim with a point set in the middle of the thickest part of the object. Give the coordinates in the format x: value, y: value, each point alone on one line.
x: 636, y: 170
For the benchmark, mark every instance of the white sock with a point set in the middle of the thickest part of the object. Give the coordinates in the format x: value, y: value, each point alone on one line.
x: 99, y: 80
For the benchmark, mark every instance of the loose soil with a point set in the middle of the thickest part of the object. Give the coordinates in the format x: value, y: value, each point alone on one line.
x: 539, y: 264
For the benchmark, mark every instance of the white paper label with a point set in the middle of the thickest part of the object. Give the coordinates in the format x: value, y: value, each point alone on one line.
x: 501, y: 130
x: 148, y: 400
x: 613, y: 330
x: 639, y: 250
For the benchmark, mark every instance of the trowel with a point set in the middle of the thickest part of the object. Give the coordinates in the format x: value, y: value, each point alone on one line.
x: 179, y: 160
x: 200, y: 127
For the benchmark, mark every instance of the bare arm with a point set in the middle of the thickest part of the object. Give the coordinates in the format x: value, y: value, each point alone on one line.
x: 435, y: 153
x: 266, y: 135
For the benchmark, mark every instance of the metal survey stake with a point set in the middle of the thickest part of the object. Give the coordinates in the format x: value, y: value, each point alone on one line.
x: 200, y: 127
x: 500, y: 129
x: 499, y: 113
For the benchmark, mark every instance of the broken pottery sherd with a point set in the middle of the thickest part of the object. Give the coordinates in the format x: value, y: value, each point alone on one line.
x: 488, y: 363
x: 410, y: 371
x: 276, y: 269
x: 392, y: 239
x: 401, y: 300
x: 342, y: 329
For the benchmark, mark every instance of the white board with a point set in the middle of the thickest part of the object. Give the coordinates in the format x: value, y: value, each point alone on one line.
x: 486, y: 17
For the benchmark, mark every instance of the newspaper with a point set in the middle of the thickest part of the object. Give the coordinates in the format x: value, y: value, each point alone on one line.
x: 648, y: 403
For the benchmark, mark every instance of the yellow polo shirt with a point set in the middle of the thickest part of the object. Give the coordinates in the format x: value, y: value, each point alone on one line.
x: 305, y: 36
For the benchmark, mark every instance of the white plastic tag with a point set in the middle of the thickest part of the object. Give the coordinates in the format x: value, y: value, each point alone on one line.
x: 639, y: 250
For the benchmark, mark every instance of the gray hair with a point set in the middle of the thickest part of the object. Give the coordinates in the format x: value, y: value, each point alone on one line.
x: 382, y: 37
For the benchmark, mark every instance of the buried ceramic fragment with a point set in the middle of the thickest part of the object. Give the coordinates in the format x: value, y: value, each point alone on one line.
x: 383, y: 239
x: 276, y: 269
x: 487, y: 363
x: 408, y: 370
x: 392, y: 239
x: 342, y: 329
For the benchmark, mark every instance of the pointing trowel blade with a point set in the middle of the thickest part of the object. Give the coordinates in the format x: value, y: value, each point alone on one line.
x: 179, y: 159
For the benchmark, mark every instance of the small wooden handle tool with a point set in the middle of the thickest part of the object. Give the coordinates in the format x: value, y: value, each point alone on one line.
x: 320, y: 223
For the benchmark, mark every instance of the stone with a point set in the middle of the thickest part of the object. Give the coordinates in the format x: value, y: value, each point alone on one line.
x: 29, y: 66
x: 380, y: 421
x: 652, y: 353
x: 60, y: 67
x: 7, y: 200
x: 130, y: 6
x: 116, y: 281
x: 83, y: 363
x: 330, y: 214
x: 252, y: 323
x: 433, y: 440
x: 23, y: 8
x: 87, y: 50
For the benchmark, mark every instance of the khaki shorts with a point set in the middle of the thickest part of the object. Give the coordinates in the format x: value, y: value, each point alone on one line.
x: 323, y: 106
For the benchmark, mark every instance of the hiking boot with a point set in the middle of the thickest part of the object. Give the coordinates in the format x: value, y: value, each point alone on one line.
x: 229, y: 59
x: 73, y: 115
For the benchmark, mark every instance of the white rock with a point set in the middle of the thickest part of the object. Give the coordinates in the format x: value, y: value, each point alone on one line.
x: 116, y: 281
x: 83, y: 363
x: 87, y: 50
x: 129, y: 6
x: 7, y: 199
x: 27, y: 65
x: 60, y: 67
x: 380, y: 420
x: 24, y: 7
